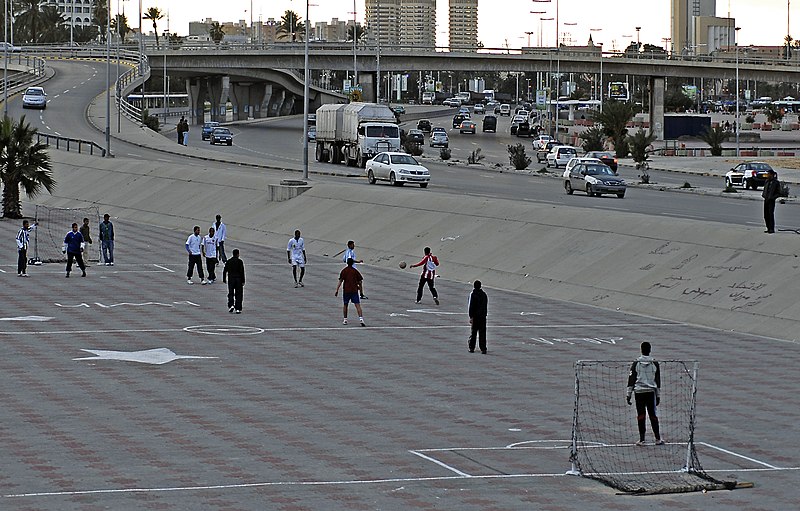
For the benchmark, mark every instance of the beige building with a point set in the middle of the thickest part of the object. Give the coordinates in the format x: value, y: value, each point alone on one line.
x: 383, y: 21
x: 463, y: 25
x: 683, y: 14
x: 710, y: 34
x: 418, y: 24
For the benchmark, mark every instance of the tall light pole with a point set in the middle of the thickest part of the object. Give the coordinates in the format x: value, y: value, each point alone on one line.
x: 788, y: 30
x: 529, y: 38
x: 108, y: 79
x: 736, y: 126
x: 71, y: 23
x: 638, y: 44
x: 355, y: 53
x: 541, y: 42
x: 596, y: 30
x: 5, y: 60
x: 540, y: 29
x: 378, y: 53
x: 305, y: 102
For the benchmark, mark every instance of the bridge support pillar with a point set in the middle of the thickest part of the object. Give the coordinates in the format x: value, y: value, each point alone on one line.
x: 265, y: 100
x: 657, y: 86
x: 276, y: 102
x: 367, y: 82
x: 219, y: 92
x: 288, y: 103
x: 197, y: 94
x: 242, y: 100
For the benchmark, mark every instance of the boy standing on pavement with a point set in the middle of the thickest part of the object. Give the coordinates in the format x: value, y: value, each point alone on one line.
x: 23, y: 239
x: 296, y: 252
x: 233, y: 273
x: 87, y: 237
x: 351, y: 279
x: 73, y: 246
x: 430, y: 262
x: 194, y: 245
x: 644, y: 382
x: 478, y: 310
x: 210, y: 253
x: 771, y: 193
x: 350, y: 253
x: 222, y: 232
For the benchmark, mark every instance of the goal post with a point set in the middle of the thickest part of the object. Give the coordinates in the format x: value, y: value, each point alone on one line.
x: 605, y: 431
x: 53, y: 225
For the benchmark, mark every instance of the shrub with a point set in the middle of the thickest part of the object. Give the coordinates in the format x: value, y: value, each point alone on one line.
x: 592, y: 139
x: 517, y: 157
x: 714, y: 137
x: 444, y: 153
x: 749, y: 119
x: 151, y: 121
x: 686, y: 184
x: 730, y: 189
x: 638, y: 143
x: 475, y: 157
x: 412, y: 148
x: 773, y: 113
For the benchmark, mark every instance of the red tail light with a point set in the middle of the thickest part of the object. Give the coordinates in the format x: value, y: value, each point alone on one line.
x: 754, y: 173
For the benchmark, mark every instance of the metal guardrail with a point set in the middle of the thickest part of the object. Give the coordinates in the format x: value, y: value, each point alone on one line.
x: 68, y: 143
x: 20, y: 79
x: 126, y: 83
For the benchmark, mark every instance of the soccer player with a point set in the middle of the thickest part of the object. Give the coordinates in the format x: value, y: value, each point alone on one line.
x: 23, y: 239
x: 73, y: 246
x: 644, y: 382
x: 350, y: 253
x: 478, y: 309
x: 87, y: 237
x: 107, y: 240
x: 430, y: 262
x: 194, y: 245
x: 351, y: 279
x: 296, y: 253
x: 209, y: 249
x: 233, y: 273
x: 222, y: 232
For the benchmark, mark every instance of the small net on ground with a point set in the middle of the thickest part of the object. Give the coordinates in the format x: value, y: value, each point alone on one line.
x: 605, y: 431
x: 54, y: 223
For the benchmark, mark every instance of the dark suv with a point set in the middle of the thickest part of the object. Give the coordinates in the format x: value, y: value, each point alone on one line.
x: 490, y: 123
x: 424, y: 125
x: 458, y: 119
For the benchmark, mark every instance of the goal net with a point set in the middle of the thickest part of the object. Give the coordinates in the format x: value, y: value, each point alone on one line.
x: 48, y: 237
x: 605, y: 431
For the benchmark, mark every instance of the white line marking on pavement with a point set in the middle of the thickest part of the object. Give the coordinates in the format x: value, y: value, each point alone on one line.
x: 343, y: 328
x: 2, y: 271
x: 739, y: 455
x: 66, y: 91
x: 27, y: 318
x: 441, y: 464
x: 164, y: 268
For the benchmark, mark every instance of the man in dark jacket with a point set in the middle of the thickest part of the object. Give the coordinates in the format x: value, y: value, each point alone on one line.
x: 644, y: 383
x: 233, y: 274
x: 478, y: 309
x: 772, y: 191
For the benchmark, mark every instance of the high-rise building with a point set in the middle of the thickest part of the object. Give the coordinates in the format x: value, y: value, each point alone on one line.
x: 383, y: 22
x: 463, y: 24
x: 683, y: 14
x: 418, y: 24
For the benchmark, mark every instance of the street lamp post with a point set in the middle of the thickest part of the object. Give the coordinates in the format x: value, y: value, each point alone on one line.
x: 736, y: 126
x: 5, y: 60
x: 355, y: 54
x: 305, y: 102
x: 540, y: 29
x: 638, y: 44
x: 378, y: 54
x: 108, y: 80
x: 529, y: 33
x: 600, y: 95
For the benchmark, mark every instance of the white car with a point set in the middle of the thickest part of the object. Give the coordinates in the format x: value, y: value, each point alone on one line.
x: 560, y: 155
x: 398, y: 169
x: 579, y: 159
x: 34, y: 97
x: 540, y: 142
x: 10, y: 48
x: 479, y: 109
x: 439, y: 139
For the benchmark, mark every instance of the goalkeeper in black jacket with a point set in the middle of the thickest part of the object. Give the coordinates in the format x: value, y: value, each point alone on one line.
x: 644, y: 381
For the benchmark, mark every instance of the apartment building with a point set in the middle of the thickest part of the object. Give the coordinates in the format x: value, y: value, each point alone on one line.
x: 418, y: 24
x: 463, y: 25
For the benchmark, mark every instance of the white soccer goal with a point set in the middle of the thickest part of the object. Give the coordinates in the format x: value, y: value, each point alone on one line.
x: 605, y: 431
x: 54, y: 223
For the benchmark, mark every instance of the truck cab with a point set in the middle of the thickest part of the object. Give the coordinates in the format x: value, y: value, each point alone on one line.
x: 377, y: 137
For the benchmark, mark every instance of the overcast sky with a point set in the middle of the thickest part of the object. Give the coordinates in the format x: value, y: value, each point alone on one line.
x: 505, y: 22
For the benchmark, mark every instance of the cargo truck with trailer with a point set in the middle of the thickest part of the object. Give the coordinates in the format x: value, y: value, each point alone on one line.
x: 354, y: 133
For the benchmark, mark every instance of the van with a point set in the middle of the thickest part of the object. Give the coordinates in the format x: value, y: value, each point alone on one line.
x: 458, y: 119
x: 428, y: 98
x: 490, y: 123
x: 505, y: 109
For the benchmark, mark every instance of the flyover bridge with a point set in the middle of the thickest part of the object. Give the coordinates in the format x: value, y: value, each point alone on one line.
x: 241, y: 68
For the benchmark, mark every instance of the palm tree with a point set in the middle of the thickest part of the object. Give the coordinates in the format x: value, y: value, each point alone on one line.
x: 290, y: 25
x: 359, y: 33
x: 100, y: 18
x: 29, y: 21
x: 54, y: 26
x: 23, y: 163
x: 216, y: 32
x: 120, y: 26
x: 154, y: 14
x: 614, y: 119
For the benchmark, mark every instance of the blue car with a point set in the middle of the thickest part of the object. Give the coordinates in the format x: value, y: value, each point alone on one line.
x: 208, y: 128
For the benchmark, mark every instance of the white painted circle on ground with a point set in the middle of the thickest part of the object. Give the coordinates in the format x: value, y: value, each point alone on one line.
x: 224, y: 330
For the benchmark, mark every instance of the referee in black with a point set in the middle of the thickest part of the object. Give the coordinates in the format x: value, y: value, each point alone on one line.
x: 233, y: 274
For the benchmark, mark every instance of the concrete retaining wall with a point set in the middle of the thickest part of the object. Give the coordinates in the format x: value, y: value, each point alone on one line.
x: 708, y: 274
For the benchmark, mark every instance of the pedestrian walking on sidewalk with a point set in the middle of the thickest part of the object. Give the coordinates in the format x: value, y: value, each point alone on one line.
x: 429, y: 263
x: 179, y: 129
x: 233, y: 274
x: 194, y: 245
x: 771, y: 193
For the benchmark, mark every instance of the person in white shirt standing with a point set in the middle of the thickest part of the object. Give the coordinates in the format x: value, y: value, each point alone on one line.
x: 210, y: 253
x: 194, y: 245
x: 296, y: 253
x: 350, y: 253
x: 23, y: 238
x: 222, y: 232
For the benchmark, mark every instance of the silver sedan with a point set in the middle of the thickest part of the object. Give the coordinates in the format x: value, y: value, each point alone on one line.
x: 398, y: 169
x: 595, y: 179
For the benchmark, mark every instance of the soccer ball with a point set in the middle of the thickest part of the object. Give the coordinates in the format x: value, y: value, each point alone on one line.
x: 402, y: 265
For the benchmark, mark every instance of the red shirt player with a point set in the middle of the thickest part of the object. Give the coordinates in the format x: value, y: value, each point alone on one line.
x: 429, y: 264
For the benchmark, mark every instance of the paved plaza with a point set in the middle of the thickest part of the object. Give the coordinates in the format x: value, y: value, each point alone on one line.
x: 131, y: 390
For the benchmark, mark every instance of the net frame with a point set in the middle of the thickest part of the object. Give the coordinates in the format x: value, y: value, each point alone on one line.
x: 673, y: 468
x: 48, y: 236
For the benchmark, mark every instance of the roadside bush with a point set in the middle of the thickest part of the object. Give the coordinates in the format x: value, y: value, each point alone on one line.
x: 412, y: 148
x: 592, y: 139
x: 749, y: 119
x: 773, y: 113
x: 517, y: 157
x: 444, y: 153
x: 638, y: 144
x: 151, y: 121
x: 475, y: 157
x: 730, y: 189
x: 714, y: 137
x: 686, y: 184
